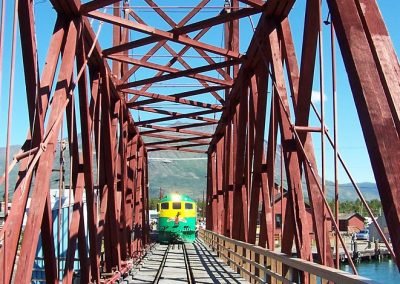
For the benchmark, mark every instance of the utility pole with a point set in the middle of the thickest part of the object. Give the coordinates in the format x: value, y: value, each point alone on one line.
x: 160, y: 193
x: 202, y: 209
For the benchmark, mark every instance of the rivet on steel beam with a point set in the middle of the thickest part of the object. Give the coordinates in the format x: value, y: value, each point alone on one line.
x: 43, y: 147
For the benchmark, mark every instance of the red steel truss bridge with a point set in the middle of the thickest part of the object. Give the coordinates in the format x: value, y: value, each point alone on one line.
x: 122, y: 79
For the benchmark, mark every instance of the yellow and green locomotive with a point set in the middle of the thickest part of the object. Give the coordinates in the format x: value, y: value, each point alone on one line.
x: 177, y: 219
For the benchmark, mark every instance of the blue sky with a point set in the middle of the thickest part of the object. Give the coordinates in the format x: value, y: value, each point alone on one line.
x: 351, y: 142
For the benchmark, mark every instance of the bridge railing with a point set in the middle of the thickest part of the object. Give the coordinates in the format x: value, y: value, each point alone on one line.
x: 260, y: 265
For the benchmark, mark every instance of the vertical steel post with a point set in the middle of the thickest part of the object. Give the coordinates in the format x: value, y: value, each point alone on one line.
x: 2, y: 28
x: 322, y: 90
x: 295, y: 204
x: 209, y: 223
x: 220, y: 163
x: 301, y: 102
x: 10, y: 103
x: 271, y: 173
x: 259, y: 84
x: 335, y: 142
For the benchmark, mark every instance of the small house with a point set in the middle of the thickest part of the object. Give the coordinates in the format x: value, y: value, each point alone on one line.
x: 351, y: 222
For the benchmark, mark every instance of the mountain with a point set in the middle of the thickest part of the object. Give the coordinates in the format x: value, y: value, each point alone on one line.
x: 54, y: 178
x: 186, y: 173
x: 347, y: 191
x: 182, y: 172
x: 174, y: 171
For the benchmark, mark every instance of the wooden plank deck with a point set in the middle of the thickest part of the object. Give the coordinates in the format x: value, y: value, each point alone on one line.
x: 205, y: 265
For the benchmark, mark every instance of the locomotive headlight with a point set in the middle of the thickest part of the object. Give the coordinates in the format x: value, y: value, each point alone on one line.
x: 176, y: 197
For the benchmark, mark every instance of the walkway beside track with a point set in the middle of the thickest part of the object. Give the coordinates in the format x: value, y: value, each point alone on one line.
x: 166, y: 264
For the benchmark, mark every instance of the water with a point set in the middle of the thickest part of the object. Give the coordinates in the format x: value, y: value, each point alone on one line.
x: 384, y: 271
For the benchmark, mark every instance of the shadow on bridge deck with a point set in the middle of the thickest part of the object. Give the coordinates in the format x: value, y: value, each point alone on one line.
x: 204, y: 265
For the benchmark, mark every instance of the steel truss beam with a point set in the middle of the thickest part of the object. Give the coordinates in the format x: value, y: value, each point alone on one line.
x: 181, y: 129
x: 241, y: 172
x: 178, y: 56
x: 174, y: 73
x: 175, y: 115
x: 179, y: 140
x: 153, y: 31
x: 370, y: 79
x: 74, y: 40
x: 95, y: 4
x: 138, y: 93
x: 167, y: 98
x: 237, y: 127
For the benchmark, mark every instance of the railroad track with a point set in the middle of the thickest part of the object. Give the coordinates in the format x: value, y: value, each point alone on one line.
x: 162, y: 265
x: 189, y: 272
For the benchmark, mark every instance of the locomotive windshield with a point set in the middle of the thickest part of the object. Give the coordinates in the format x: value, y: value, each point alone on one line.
x: 165, y: 205
x: 188, y: 205
x: 176, y: 205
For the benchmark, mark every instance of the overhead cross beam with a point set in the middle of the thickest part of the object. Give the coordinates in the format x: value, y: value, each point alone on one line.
x: 178, y: 147
x: 175, y: 115
x: 253, y: 3
x: 179, y: 95
x: 167, y: 98
x: 161, y: 43
x: 181, y: 149
x: 174, y: 73
x: 178, y: 56
x: 180, y: 129
x: 95, y: 4
x: 153, y: 31
x: 172, y: 137
x: 195, y: 140
x: 223, y: 17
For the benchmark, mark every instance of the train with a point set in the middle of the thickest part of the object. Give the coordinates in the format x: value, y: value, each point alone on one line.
x: 177, y: 219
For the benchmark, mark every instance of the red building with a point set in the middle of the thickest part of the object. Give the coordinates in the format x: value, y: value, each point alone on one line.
x: 352, y: 222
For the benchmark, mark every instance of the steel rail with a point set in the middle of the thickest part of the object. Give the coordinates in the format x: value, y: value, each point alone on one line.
x: 162, y: 265
x: 189, y: 272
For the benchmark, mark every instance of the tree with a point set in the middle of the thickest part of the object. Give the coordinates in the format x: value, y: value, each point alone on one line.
x: 153, y: 203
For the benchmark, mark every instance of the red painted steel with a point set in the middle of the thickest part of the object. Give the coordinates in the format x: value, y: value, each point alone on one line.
x: 42, y: 179
x: 220, y: 164
x: 368, y: 86
x: 298, y: 212
x: 312, y: 188
x: 109, y: 164
x: 161, y: 43
x: 259, y: 94
x: 159, y: 33
x: 167, y: 98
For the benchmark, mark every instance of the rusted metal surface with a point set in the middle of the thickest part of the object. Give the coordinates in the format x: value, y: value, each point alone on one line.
x: 248, y: 95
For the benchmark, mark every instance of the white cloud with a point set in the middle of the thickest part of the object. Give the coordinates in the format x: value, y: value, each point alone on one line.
x: 316, y: 96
